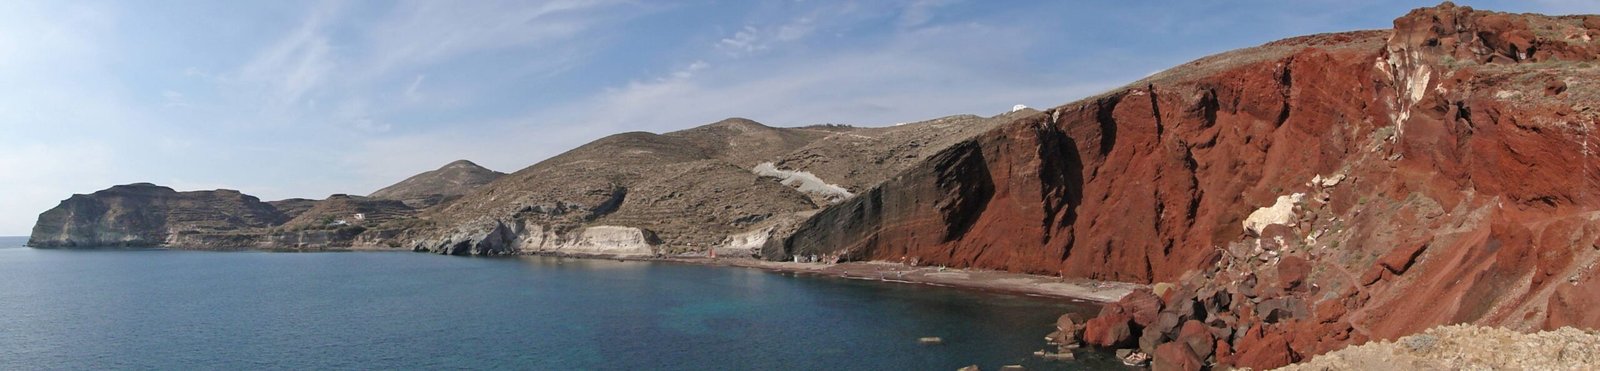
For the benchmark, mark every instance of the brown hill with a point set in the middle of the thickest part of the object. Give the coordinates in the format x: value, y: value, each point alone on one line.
x: 691, y: 189
x: 1291, y: 198
x: 293, y: 207
x: 340, y: 210
x: 436, y: 186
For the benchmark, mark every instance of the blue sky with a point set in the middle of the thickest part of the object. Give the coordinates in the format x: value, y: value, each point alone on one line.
x: 309, y: 98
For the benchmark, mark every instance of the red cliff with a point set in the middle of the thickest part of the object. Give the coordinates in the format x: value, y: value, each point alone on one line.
x: 1436, y: 173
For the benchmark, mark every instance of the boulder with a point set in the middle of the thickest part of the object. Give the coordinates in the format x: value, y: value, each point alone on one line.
x: 1109, y: 330
x: 1198, y: 337
x: 1224, y: 354
x: 1292, y: 271
x: 1262, y: 349
x: 1150, y: 338
x: 1161, y: 289
x: 1161, y: 331
x: 1069, y: 321
x: 1175, y: 356
x: 1143, y: 305
x: 1397, y: 261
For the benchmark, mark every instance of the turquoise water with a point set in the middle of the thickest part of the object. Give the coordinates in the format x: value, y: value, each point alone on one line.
x: 168, y: 310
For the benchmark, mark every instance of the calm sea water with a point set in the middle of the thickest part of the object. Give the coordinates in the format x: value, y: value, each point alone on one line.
x: 169, y: 310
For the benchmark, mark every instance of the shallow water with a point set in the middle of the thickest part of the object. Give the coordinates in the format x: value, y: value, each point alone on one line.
x: 165, y: 309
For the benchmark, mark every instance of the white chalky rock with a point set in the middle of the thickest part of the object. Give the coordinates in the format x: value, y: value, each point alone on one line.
x: 1281, y: 212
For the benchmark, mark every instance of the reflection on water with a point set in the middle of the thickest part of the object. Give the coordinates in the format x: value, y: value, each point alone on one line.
x: 160, y: 309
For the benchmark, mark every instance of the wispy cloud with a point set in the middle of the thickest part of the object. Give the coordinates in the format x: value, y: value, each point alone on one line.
x: 920, y: 12
x: 419, y: 33
x: 295, y: 65
x: 413, y: 92
x: 746, y: 40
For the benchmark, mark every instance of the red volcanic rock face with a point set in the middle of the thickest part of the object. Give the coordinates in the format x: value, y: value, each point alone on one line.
x: 1445, y: 171
x: 1460, y: 32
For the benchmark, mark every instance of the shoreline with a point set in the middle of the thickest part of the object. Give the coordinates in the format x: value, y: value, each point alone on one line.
x: 1078, y: 289
x: 972, y: 279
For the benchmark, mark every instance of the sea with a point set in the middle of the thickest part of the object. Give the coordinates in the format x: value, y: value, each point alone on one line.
x: 157, y: 309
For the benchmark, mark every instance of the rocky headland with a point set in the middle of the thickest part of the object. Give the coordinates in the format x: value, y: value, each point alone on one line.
x: 1274, y: 203
x: 144, y: 214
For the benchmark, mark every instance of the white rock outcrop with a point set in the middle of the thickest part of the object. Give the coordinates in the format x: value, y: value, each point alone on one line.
x: 599, y: 240
x: 611, y: 240
x: 804, y: 181
x: 1281, y: 212
x: 745, y: 244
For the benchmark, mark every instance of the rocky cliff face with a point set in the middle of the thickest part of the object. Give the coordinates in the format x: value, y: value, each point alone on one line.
x: 145, y: 214
x: 714, y: 186
x: 437, y: 186
x: 1291, y: 198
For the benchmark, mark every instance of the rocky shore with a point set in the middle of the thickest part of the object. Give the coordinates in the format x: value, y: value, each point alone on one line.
x: 978, y: 279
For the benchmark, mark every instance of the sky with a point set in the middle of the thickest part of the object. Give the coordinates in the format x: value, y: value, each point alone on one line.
x: 284, y: 99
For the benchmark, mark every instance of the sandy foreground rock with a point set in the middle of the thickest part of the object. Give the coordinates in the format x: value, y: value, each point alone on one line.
x: 1468, y: 347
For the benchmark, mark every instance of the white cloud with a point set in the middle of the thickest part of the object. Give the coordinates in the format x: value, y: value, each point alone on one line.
x: 917, y: 75
x: 689, y: 71
x: 796, y: 30
x: 412, y: 93
x: 919, y: 12
x: 419, y: 33
x: 750, y: 39
x: 296, y: 64
x: 746, y: 40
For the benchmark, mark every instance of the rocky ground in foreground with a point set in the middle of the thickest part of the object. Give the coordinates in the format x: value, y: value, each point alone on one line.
x: 1468, y: 347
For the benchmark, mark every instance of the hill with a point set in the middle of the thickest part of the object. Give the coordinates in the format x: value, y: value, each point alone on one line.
x: 688, y: 191
x: 436, y: 186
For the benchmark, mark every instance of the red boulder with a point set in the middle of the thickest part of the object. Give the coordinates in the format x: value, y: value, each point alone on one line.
x: 1108, y: 330
x: 1175, y: 356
